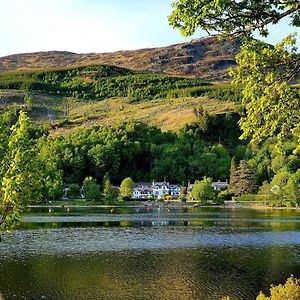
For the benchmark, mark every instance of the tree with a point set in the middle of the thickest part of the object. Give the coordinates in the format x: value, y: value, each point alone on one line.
x: 272, y: 103
x: 201, y: 117
x: 232, y: 180
x: 203, y: 190
x: 111, y: 192
x: 244, y: 179
x: 232, y: 17
x: 22, y: 178
x: 74, y: 190
x: 52, y: 174
x: 28, y: 100
x: 266, y: 73
x: 126, y: 188
x: 91, y: 189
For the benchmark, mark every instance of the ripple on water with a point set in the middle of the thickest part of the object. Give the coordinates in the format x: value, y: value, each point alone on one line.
x: 92, y: 239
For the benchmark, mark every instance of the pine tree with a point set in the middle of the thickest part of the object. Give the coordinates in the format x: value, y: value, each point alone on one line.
x: 232, y: 179
x: 201, y: 117
x: 244, y: 179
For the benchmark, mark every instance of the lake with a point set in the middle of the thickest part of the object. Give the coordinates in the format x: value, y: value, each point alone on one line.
x: 149, y: 253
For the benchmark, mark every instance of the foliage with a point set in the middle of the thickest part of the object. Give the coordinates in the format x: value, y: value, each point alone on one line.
x: 244, y: 181
x: 29, y: 102
x: 73, y: 190
x: 284, y: 189
x: 231, y: 17
x: 233, y: 178
x: 52, y: 174
x: 220, y: 128
x: 203, y: 190
x: 126, y: 188
x: 91, y: 189
x: 201, y: 117
x: 97, y: 82
x: 271, y: 102
x: 140, y: 151
x: 221, y: 92
x: 111, y: 192
x: 277, y: 173
x: 289, y: 291
x: 21, y: 171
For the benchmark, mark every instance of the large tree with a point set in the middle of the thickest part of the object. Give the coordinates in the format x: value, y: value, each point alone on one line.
x: 266, y: 73
x: 232, y: 16
x: 271, y: 101
x: 21, y: 180
x: 244, y: 182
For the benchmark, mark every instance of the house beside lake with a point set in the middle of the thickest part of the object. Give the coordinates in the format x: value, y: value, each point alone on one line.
x: 220, y: 185
x: 157, y: 190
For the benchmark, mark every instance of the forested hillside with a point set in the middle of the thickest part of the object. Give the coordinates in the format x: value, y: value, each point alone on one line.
x: 110, y: 122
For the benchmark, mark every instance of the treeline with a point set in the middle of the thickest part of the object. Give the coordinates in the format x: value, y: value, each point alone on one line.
x: 143, y: 153
x: 97, y: 82
x: 204, y: 148
x: 220, y: 92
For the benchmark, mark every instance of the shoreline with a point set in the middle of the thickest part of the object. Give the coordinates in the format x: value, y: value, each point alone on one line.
x: 175, y: 205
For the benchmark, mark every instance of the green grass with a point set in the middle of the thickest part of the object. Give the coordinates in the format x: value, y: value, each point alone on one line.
x: 61, y: 114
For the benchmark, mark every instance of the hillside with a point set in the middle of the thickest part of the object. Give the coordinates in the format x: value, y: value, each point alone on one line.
x: 64, y: 114
x: 204, y: 58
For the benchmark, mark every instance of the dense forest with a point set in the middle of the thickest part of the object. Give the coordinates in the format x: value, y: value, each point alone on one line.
x: 205, y: 148
x: 97, y: 82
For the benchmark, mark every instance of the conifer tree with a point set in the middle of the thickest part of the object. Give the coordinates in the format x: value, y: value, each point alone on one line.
x: 244, y: 179
x: 232, y: 179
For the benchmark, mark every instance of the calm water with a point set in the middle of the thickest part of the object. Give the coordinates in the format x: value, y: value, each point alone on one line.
x: 130, y: 253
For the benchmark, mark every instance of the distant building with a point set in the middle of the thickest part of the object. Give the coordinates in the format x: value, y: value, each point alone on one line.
x: 220, y: 185
x: 148, y: 190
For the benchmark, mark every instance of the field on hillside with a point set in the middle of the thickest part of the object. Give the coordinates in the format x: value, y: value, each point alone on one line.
x: 67, y: 113
x: 68, y: 98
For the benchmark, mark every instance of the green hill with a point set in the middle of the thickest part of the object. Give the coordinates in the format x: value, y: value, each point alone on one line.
x: 68, y: 98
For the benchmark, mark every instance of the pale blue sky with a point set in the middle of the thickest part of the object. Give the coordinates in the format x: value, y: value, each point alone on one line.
x: 84, y: 26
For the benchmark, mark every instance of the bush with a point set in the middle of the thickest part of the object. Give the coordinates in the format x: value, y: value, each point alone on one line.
x: 289, y: 291
x: 91, y: 189
x: 74, y: 190
x: 203, y: 190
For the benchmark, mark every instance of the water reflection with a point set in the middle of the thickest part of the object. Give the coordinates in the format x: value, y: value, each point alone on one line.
x: 162, y: 216
x: 199, y: 273
x: 129, y: 254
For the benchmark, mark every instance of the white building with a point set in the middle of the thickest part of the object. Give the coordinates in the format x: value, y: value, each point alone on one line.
x: 148, y: 190
x: 220, y: 185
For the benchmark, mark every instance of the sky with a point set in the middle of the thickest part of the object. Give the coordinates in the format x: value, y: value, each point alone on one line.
x: 85, y: 26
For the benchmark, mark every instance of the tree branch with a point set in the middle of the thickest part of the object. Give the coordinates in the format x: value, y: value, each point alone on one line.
x: 5, y: 213
x: 273, y: 20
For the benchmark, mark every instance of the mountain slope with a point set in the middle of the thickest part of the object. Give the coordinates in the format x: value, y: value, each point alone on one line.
x: 204, y: 58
